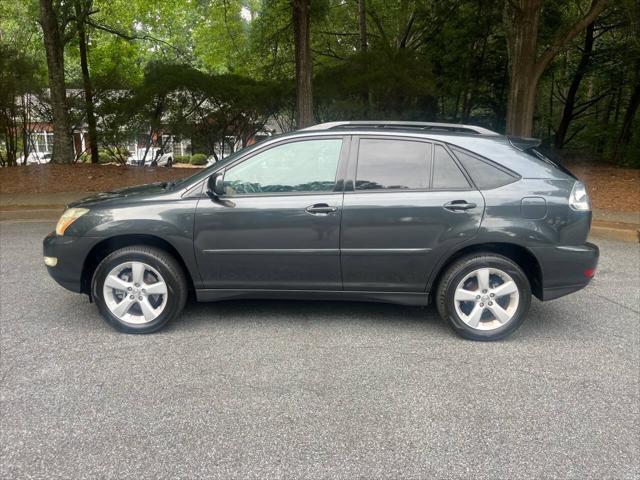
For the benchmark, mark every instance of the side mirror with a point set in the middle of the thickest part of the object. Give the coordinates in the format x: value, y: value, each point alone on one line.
x: 215, y: 185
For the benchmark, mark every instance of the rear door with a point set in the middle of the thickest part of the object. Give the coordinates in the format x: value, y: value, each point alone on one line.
x: 406, y: 203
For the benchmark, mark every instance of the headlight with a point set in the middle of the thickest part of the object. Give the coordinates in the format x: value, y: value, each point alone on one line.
x: 579, y: 199
x: 68, y: 217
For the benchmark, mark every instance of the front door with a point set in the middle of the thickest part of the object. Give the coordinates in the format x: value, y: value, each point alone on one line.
x: 406, y: 203
x: 278, y: 224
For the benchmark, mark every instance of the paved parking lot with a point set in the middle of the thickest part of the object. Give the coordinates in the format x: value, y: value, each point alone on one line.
x: 275, y: 389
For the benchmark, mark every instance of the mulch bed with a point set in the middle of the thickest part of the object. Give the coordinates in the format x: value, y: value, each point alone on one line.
x: 611, y: 188
x: 82, y: 177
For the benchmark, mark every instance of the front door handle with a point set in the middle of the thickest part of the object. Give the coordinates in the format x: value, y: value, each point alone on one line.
x: 320, y: 209
x: 459, y: 205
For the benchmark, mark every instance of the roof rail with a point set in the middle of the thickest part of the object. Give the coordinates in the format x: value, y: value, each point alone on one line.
x: 451, y: 127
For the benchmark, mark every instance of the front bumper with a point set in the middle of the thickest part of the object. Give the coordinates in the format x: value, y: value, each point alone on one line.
x: 70, y: 254
x: 566, y: 269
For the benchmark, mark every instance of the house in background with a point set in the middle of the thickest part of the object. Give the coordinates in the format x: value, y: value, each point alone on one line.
x: 40, y: 134
x: 36, y: 123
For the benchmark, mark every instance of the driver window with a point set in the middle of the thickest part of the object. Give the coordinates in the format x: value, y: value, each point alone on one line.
x: 304, y: 166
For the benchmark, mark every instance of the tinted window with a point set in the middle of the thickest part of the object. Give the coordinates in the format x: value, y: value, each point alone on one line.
x: 446, y: 174
x: 307, y: 166
x: 483, y: 174
x: 391, y: 164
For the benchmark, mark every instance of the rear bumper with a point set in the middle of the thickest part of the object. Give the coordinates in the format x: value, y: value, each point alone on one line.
x: 70, y: 254
x: 566, y: 269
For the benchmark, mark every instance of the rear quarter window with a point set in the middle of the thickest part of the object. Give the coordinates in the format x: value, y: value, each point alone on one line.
x: 446, y: 174
x: 484, y: 174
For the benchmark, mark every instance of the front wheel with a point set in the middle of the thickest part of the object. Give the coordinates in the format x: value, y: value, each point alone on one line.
x: 139, y: 289
x: 484, y: 296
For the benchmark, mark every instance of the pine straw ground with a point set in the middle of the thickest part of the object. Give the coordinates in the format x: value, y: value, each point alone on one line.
x: 611, y: 188
x: 82, y: 177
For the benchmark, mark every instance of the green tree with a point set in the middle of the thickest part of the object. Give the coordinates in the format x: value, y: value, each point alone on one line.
x: 53, y: 19
x: 526, y: 66
x: 18, y: 79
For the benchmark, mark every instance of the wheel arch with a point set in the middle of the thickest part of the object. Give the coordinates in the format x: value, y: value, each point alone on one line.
x: 111, y: 244
x: 517, y: 253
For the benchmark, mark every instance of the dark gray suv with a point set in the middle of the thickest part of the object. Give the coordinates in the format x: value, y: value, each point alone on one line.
x: 400, y: 212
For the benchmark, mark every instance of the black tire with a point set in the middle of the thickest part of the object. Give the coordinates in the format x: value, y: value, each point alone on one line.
x: 169, y: 163
x: 160, y: 260
x: 456, y: 272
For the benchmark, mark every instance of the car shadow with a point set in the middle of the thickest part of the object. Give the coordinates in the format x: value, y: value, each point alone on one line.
x: 298, y: 312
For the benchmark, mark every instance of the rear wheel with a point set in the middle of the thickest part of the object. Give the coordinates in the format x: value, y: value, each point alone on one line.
x: 484, y: 296
x: 139, y: 289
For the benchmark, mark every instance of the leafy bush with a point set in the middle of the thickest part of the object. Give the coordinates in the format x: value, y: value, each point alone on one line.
x: 182, y: 159
x: 104, y: 157
x: 198, y: 159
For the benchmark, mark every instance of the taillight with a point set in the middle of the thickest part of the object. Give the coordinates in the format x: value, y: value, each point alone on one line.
x: 579, y: 198
x: 589, y: 272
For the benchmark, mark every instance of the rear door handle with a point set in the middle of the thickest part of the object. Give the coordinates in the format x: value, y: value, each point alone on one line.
x: 459, y: 205
x: 320, y: 209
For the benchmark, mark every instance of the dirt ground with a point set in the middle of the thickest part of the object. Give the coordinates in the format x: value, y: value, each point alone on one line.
x: 611, y: 188
x: 82, y: 177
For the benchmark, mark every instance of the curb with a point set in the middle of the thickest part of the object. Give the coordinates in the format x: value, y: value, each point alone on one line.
x: 622, y: 232
x: 31, y: 214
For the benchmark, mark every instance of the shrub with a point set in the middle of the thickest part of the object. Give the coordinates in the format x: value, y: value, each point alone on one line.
x: 198, y: 159
x: 104, y: 157
x: 182, y: 159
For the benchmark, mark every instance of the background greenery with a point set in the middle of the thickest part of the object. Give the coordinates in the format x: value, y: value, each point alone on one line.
x: 214, y: 69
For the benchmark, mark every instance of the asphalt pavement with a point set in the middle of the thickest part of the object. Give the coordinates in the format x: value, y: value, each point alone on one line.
x: 279, y: 389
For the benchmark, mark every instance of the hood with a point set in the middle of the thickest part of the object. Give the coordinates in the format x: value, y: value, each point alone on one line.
x: 139, y: 192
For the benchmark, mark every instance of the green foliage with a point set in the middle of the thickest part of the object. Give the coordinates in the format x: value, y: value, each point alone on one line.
x: 19, y: 77
x: 198, y: 159
x: 189, y: 103
x: 113, y: 155
x: 216, y: 71
x: 104, y: 157
x: 378, y: 84
x: 182, y: 159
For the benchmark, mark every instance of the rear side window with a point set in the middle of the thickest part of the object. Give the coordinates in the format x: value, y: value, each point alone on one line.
x: 393, y: 164
x: 446, y: 174
x: 483, y: 174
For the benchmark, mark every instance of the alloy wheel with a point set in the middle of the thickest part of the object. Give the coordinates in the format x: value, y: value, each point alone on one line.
x: 486, y: 299
x: 135, y: 292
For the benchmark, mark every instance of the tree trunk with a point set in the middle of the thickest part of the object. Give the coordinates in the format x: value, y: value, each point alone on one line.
x: 88, y: 90
x: 54, y: 47
x: 567, y: 112
x: 629, y: 115
x: 24, y: 111
x: 304, y: 92
x: 521, y: 22
x: 362, y: 22
x: 604, y: 124
x: 522, y: 18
